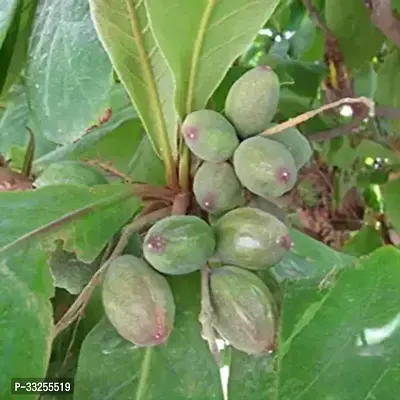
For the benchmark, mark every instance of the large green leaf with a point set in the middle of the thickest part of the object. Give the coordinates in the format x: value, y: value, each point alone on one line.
x: 121, y: 132
x: 391, y: 196
x: 365, y: 241
x: 360, y: 40
x: 182, y: 369
x: 309, y: 259
x: 26, y: 322
x: 201, y: 39
x: 14, y: 120
x: 7, y: 9
x: 68, y: 75
x: 85, y: 218
x: 337, y: 343
x: 124, y: 30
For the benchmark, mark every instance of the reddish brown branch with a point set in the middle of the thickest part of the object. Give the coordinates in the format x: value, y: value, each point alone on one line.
x: 383, y: 18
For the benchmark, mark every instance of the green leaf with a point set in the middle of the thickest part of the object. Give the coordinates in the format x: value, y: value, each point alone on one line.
x: 360, y: 40
x: 340, y: 342
x: 68, y: 272
x: 7, y: 44
x: 306, y: 75
x: 98, y: 138
x: 309, y: 258
x: 14, y: 120
x: 388, y: 85
x: 365, y: 241
x: 391, y: 196
x: 15, y: 47
x: 124, y: 30
x: 26, y: 323
x: 85, y: 218
x: 113, y: 368
x: 7, y: 8
x: 217, y: 101
x: 145, y: 166
x: 307, y: 43
x: 201, y: 39
x: 68, y: 73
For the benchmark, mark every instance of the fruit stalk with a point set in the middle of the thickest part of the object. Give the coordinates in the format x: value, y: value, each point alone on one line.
x: 206, y: 314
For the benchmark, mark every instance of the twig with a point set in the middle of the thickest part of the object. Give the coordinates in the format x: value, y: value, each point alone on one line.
x: 76, y: 308
x: 106, y: 167
x: 312, y: 113
x: 383, y: 18
x: 70, y: 345
x: 343, y: 130
x: 206, y: 314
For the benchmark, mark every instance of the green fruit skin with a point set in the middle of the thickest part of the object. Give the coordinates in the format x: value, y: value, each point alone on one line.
x: 209, y: 135
x: 138, y: 301
x: 217, y: 188
x: 297, y: 144
x: 252, y: 101
x: 245, y: 311
x: 179, y: 244
x: 260, y: 164
x: 70, y: 173
x: 269, y: 207
x: 250, y: 238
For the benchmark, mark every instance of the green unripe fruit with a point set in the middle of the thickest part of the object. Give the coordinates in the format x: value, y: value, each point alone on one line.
x: 217, y: 188
x: 138, y: 301
x: 70, y: 173
x: 179, y: 244
x: 252, y: 101
x: 297, y: 144
x: 251, y: 238
x: 270, y: 208
x: 209, y: 135
x: 244, y: 310
x: 265, y: 167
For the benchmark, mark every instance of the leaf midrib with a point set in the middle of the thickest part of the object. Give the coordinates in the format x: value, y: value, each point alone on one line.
x: 197, y: 48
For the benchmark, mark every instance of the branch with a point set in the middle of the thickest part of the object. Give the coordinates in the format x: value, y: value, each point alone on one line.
x: 344, y: 130
x: 370, y: 105
x: 382, y: 17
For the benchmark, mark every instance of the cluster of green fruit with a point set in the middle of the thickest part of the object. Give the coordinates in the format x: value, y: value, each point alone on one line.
x: 242, y: 236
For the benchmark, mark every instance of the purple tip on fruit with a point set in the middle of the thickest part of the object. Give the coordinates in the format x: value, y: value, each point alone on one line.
x: 156, y: 244
x: 209, y: 201
x: 191, y: 133
x: 285, y: 242
x: 283, y: 175
x: 160, y: 333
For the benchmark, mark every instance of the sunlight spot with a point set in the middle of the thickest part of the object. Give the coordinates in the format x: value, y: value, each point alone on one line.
x: 346, y: 111
x: 266, y: 32
x: 288, y: 34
